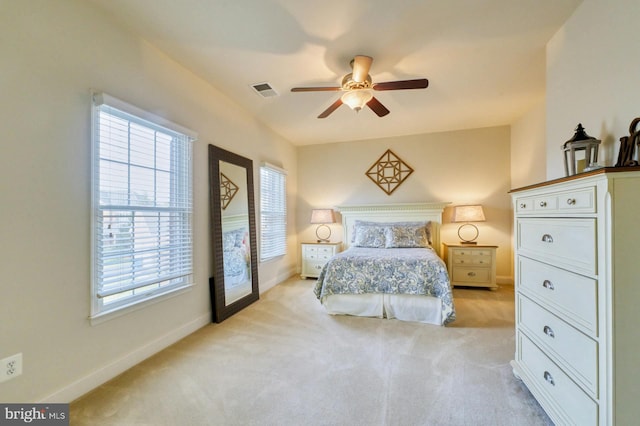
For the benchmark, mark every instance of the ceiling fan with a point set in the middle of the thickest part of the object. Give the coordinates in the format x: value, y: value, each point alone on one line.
x: 357, y: 87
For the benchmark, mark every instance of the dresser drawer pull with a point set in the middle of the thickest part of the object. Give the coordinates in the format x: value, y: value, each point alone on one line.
x: 549, y: 378
x: 548, y: 285
x: 523, y: 205
x: 571, y: 201
x: 548, y: 331
x: 471, y: 274
x: 546, y: 238
x: 543, y: 204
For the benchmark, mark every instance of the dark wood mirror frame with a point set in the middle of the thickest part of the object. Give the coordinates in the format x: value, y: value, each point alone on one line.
x: 221, y: 310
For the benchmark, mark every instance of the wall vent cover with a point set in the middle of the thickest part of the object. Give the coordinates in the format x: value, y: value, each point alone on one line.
x: 265, y: 90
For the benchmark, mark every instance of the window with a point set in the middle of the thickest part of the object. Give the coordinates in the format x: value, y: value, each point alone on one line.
x: 273, y: 212
x: 142, y: 206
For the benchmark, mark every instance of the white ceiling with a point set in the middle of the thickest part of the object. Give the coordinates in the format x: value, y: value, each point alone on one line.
x: 485, y: 59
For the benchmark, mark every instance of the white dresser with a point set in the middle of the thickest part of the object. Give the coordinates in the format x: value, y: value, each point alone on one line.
x: 314, y: 257
x: 577, y: 264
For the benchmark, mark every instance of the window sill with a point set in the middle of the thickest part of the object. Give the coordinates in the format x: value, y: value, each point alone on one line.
x: 110, y: 314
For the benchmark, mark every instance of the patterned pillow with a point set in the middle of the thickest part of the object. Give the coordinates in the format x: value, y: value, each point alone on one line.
x: 369, y: 236
x: 363, y: 223
x: 406, y: 236
x: 231, y: 239
x: 228, y: 240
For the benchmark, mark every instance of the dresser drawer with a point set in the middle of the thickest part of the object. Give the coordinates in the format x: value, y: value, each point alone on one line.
x: 579, y: 201
x: 569, y: 399
x: 571, y: 296
x: 568, y: 243
x: 575, y: 201
x: 576, y: 352
x: 525, y: 205
x: 472, y: 275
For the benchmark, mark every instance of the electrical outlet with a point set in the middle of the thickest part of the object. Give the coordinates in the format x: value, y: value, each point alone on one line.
x: 10, y: 367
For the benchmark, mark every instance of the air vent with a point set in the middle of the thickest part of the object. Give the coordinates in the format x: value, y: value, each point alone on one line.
x: 265, y: 90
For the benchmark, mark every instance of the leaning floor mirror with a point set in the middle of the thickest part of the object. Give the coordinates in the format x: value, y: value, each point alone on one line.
x: 234, y: 284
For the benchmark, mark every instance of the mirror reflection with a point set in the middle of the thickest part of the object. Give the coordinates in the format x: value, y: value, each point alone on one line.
x: 236, y: 241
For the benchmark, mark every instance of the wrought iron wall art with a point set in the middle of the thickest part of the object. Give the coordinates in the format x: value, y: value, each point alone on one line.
x: 228, y: 190
x: 389, y: 171
x: 628, y: 146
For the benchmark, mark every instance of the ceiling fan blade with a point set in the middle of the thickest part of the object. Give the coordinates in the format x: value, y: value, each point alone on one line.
x: 316, y: 89
x: 420, y: 83
x: 361, y: 66
x: 334, y: 106
x: 377, y: 107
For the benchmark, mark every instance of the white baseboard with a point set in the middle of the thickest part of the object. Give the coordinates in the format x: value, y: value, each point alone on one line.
x: 91, y: 381
x: 281, y: 277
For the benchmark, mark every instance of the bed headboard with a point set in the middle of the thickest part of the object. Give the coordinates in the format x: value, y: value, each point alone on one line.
x: 236, y: 221
x: 393, y: 213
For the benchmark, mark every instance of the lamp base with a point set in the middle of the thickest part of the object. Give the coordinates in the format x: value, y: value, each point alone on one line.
x: 323, y: 237
x: 468, y: 233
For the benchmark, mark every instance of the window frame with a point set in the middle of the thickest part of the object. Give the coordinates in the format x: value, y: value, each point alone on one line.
x: 168, y: 218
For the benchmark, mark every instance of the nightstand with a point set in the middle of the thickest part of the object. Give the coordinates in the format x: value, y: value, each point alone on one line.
x: 471, y: 265
x: 314, y: 257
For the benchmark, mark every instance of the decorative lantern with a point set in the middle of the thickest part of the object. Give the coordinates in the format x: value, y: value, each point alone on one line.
x: 580, y: 141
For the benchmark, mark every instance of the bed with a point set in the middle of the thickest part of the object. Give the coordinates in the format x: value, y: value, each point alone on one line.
x: 391, y: 265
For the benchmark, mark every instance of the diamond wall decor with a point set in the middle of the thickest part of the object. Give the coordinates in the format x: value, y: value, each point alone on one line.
x: 228, y: 190
x: 389, y: 172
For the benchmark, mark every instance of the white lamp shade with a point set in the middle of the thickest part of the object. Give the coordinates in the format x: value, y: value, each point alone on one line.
x: 471, y: 213
x: 356, y: 99
x: 322, y: 216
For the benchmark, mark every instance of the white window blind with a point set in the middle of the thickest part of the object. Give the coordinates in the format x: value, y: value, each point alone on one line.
x: 273, y: 212
x: 142, y: 205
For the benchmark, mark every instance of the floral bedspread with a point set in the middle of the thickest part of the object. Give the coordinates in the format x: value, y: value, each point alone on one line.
x: 236, y: 267
x: 417, y: 271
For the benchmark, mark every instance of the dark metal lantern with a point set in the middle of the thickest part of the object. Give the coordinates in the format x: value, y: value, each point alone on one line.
x: 580, y: 141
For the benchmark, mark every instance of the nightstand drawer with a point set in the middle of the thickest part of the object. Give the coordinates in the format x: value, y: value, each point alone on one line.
x: 471, y: 265
x: 314, y: 267
x: 472, y: 275
x: 315, y: 256
x: 480, y: 261
x: 318, y: 256
x: 466, y: 253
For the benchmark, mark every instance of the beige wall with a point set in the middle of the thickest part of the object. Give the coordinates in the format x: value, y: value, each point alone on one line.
x: 54, y: 52
x: 469, y: 166
x: 528, y: 148
x: 592, y: 78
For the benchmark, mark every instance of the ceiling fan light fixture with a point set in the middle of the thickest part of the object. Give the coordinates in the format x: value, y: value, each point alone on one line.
x: 357, y: 99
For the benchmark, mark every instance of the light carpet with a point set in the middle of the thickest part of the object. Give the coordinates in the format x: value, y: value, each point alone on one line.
x: 284, y: 361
